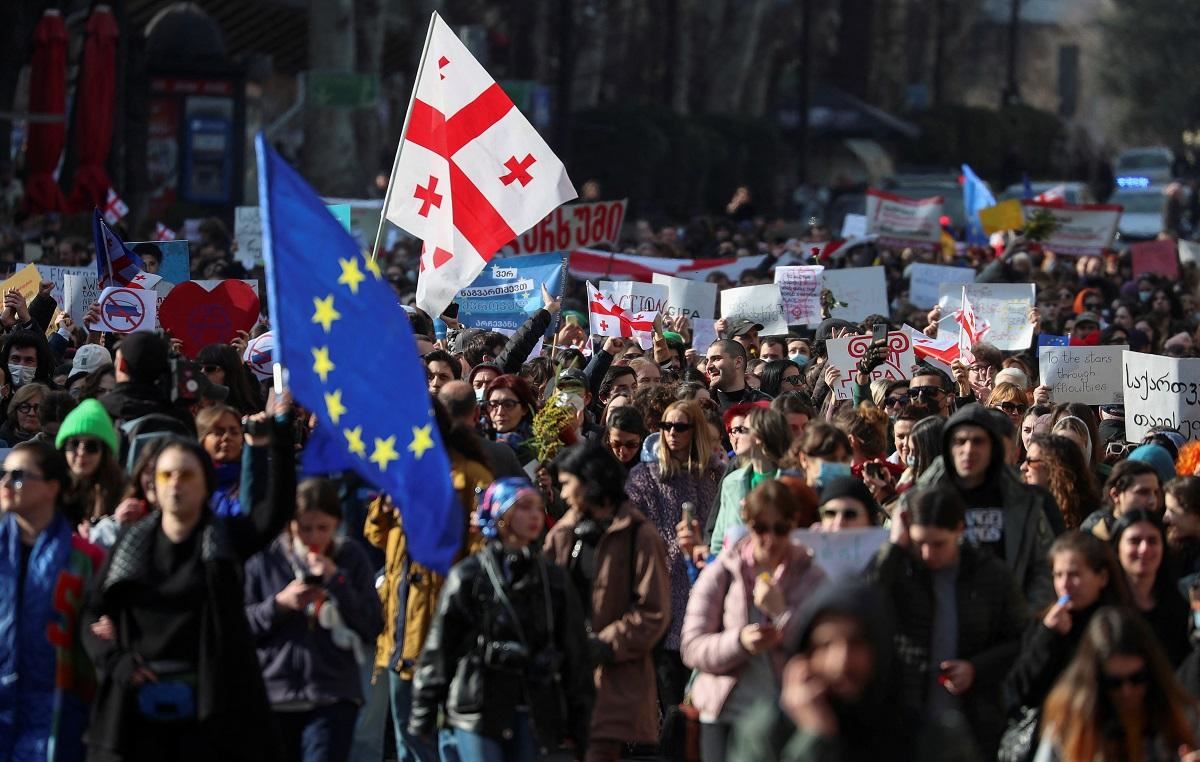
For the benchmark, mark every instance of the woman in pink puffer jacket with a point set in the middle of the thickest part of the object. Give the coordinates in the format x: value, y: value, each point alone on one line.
x: 741, y: 615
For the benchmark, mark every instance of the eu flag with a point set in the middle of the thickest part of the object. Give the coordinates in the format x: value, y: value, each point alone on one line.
x: 351, y: 358
x: 976, y: 196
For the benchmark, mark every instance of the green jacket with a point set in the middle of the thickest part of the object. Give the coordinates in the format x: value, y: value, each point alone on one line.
x: 733, y: 490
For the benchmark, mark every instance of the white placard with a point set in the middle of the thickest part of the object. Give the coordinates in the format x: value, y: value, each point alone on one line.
x: 926, y: 281
x: 845, y: 353
x: 56, y: 274
x: 1005, y: 307
x: 80, y: 291
x: 126, y: 310
x: 900, y: 221
x: 762, y: 304
x: 862, y: 289
x: 247, y: 230
x: 634, y: 297
x: 1161, y: 391
x: 690, y: 298
x: 854, y: 226
x: 1084, y: 230
x: 1091, y: 375
x: 800, y: 287
x: 704, y: 333
x: 843, y: 554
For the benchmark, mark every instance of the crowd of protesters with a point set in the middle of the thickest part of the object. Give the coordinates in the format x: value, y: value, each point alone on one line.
x: 632, y: 582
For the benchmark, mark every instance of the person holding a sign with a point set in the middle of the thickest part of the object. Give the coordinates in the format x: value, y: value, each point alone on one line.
x: 958, y: 646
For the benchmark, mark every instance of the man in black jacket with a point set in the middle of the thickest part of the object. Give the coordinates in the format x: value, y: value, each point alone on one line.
x: 141, y: 365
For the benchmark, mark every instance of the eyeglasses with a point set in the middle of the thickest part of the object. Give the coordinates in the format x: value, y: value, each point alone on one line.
x: 779, y: 528
x: 847, y: 514
x: 982, y: 370
x: 794, y: 380
x: 210, y: 368
x: 1119, y: 449
x: 896, y: 401
x: 28, y: 408
x: 19, y: 476
x: 1034, y: 461
x: 673, y: 426
x: 90, y: 446
x: 1115, y: 682
x: 739, y: 430
x: 917, y: 392
x: 615, y: 445
x: 506, y: 404
x: 1013, y: 408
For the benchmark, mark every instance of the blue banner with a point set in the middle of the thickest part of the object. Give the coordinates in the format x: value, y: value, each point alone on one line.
x: 509, y: 290
x: 1050, y: 340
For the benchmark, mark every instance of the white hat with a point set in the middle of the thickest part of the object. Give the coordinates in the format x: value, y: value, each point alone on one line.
x: 1013, y: 376
x: 88, y: 358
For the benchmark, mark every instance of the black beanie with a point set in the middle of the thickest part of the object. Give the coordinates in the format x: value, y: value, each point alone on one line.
x: 146, y: 357
x: 849, y: 486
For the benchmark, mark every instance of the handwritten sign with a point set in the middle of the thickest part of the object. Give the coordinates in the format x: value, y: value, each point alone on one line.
x: 845, y: 353
x: 1084, y: 229
x: 925, y: 281
x: 1091, y: 375
x: 691, y: 299
x: 80, y: 291
x: 900, y: 221
x: 1005, y: 308
x: 862, y: 289
x: 1161, y: 391
x: 1155, y: 258
x: 247, y: 230
x: 704, y: 333
x: 763, y: 304
x: 574, y: 226
x: 633, y: 296
x: 800, y: 287
x: 842, y: 554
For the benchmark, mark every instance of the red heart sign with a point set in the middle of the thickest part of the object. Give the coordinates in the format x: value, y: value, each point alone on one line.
x: 199, y: 318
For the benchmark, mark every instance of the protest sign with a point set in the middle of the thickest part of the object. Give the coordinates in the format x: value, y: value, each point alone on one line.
x: 691, y: 299
x: 854, y: 226
x: 1161, y: 391
x: 900, y: 221
x: 247, y: 231
x: 1004, y: 307
x: 26, y: 281
x: 1084, y: 230
x: 925, y: 281
x: 259, y: 355
x: 80, y: 291
x: 56, y: 274
x: 761, y: 304
x: 573, y: 226
x: 845, y: 353
x: 635, y: 297
x: 704, y: 333
x: 1189, y: 251
x: 843, y: 554
x: 126, y: 310
x: 509, y: 290
x: 1155, y: 258
x: 174, y: 260
x: 862, y: 289
x: 1091, y: 375
x: 800, y: 287
x: 199, y: 316
x: 1007, y: 215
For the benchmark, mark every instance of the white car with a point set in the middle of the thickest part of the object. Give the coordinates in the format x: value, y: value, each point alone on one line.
x: 1142, y: 168
x: 1142, y: 218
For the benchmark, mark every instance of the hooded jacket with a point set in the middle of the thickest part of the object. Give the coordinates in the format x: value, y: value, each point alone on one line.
x: 1026, y: 536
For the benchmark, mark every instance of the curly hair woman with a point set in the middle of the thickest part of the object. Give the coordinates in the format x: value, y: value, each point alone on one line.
x: 1056, y: 463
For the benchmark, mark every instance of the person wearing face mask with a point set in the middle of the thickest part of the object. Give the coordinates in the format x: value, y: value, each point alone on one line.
x: 628, y: 609
x: 28, y: 358
x: 799, y: 351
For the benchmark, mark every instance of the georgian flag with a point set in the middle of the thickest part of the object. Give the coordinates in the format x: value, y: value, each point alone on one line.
x: 471, y: 173
x: 163, y: 233
x: 609, y: 319
x: 114, y: 208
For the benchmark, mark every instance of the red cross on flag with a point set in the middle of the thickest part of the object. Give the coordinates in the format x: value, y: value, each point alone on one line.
x: 114, y: 208
x: 971, y: 327
x: 471, y: 173
x: 163, y: 233
x: 609, y: 319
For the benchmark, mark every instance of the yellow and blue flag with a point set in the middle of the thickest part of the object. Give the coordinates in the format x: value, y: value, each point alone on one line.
x: 351, y: 359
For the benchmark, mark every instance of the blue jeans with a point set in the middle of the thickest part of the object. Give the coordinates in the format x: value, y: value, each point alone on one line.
x: 318, y: 735
x: 409, y: 748
x: 522, y: 747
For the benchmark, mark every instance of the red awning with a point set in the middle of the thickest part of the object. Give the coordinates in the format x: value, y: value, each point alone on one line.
x: 47, y: 96
x: 94, y: 108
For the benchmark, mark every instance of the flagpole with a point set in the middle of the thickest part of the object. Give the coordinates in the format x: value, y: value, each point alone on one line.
x: 387, y: 196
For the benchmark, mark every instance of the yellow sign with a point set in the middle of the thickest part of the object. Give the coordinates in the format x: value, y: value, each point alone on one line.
x: 26, y: 282
x: 1007, y: 215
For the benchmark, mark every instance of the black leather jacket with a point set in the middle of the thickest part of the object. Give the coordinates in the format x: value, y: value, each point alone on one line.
x: 462, y: 667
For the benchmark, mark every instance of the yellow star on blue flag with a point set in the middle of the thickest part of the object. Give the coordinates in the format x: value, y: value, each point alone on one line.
x: 352, y: 360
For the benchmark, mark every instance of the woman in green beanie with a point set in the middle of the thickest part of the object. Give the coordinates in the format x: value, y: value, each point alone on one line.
x: 89, y: 441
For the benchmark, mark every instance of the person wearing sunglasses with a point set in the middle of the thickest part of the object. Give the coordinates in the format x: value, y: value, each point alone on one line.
x: 743, y: 615
x: 222, y: 365
x: 779, y: 376
x: 958, y: 611
x: 509, y: 403
x: 1118, y: 694
x: 88, y: 440
x: 1010, y: 400
x: 48, y: 681
x: 165, y: 621
x: 22, y: 423
x: 931, y: 387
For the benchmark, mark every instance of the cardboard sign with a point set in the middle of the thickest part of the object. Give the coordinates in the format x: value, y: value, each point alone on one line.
x: 1007, y: 215
x: 26, y: 281
x: 691, y: 299
x: 800, y: 286
x: 925, y: 281
x: 1083, y: 230
x: 845, y: 353
x: 126, y: 310
x: 1005, y: 308
x: 844, y: 554
x: 1091, y: 375
x: 509, y: 290
x: 56, y: 274
x: 704, y: 333
x: 862, y: 289
x: 259, y: 355
x: 635, y: 297
x: 199, y: 317
x: 762, y: 304
x: 1161, y: 391
x: 1155, y: 258
x: 573, y: 226
x: 900, y: 221
x: 80, y: 291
